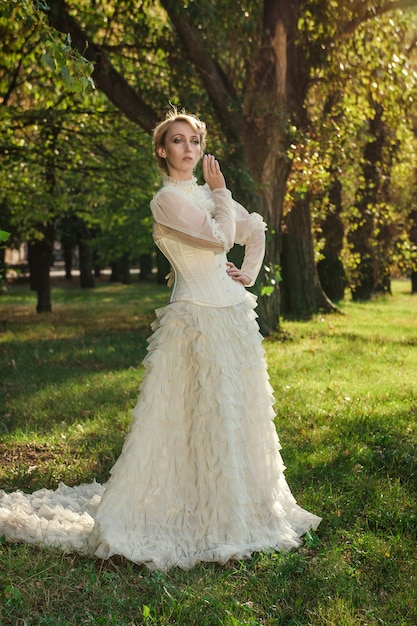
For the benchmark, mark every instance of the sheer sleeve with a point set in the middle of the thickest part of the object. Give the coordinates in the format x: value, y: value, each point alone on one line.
x: 250, y: 232
x: 177, y: 214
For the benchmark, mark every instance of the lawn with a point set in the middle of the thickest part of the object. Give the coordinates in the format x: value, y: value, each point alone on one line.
x: 346, y: 404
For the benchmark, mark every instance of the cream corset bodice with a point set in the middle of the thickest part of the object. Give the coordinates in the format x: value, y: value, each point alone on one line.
x: 200, y: 275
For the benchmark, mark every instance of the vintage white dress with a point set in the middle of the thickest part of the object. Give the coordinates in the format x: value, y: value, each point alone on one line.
x: 200, y: 476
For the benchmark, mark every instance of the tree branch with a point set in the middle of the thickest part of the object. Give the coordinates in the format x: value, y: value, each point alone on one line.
x: 105, y: 76
x: 371, y: 13
x: 215, y: 81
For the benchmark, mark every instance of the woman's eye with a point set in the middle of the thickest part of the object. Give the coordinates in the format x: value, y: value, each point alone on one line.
x: 180, y: 140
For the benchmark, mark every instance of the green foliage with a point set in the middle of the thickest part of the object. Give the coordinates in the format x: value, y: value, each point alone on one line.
x: 344, y: 95
x: 72, y: 67
x: 70, y: 155
x: 4, y: 236
x: 66, y: 152
x: 66, y: 63
x: 272, y: 278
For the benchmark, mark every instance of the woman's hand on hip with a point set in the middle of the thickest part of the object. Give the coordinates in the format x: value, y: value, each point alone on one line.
x: 237, y: 274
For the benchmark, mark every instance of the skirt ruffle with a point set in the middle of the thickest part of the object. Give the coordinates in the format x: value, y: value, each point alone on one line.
x: 62, y: 518
x: 200, y: 476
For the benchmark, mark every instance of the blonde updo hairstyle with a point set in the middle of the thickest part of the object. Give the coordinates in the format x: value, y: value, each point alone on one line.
x: 160, y: 131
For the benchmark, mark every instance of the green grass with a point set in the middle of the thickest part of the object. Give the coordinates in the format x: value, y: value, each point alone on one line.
x: 346, y: 403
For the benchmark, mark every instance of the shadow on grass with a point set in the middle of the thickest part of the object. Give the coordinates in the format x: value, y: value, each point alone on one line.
x: 77, y: 377
x: 378, y: 339
x: 367, y: 479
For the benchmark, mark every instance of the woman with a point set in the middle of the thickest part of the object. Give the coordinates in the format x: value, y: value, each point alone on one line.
x: 200, y: 476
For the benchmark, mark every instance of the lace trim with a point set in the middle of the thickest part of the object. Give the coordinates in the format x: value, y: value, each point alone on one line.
x: 182, y: 184
x: 254, y: 222
x: 200, y: 193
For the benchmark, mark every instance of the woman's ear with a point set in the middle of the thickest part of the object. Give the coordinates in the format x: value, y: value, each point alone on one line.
x: 161, y: 152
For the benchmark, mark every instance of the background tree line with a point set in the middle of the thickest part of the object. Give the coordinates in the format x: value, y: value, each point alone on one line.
x: 310, y: 109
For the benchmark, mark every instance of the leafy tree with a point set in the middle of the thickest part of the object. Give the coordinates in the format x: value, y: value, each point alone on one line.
x: 29, y: 19
x: 64, y: 152
x: 33, y: 124
x: 249, y: 77
x: 358, y: 143
x: 388, y: 86
x: 4, y: 236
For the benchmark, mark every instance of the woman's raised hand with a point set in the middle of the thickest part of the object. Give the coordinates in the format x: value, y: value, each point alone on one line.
x: 212, y: 172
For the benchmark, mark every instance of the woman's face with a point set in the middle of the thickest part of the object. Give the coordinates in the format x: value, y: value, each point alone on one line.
x: 182, y: 150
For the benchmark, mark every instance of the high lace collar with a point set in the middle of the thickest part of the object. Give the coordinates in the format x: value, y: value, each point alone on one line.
x: 200, y: 193
x: 184, y: 185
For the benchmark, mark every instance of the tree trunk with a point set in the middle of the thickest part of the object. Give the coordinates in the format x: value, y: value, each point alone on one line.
x: 125, y: 269
x: 332, y: 276
x: 4, y: 225
x: 40, y: 255
x: 330, y: 268
x: 361, y: 232
x: 67, y: 228
x: 302, y: 295
x: 382, y: 279
x: 145, y: 266
x: 386, y: 226
x: 120, y: 270
x: 2, y: 260
x: 116, y: 272
x: 85, y: 256
x: 86, y: 265
x: 412, y: 233
x: 96, y: 264
x: 274, y: 101
x: 413, y: 282
x: 3, y: 269
x: 67, y: 251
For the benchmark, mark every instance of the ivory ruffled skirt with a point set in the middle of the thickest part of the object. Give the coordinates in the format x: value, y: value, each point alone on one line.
x: 200, y: 476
